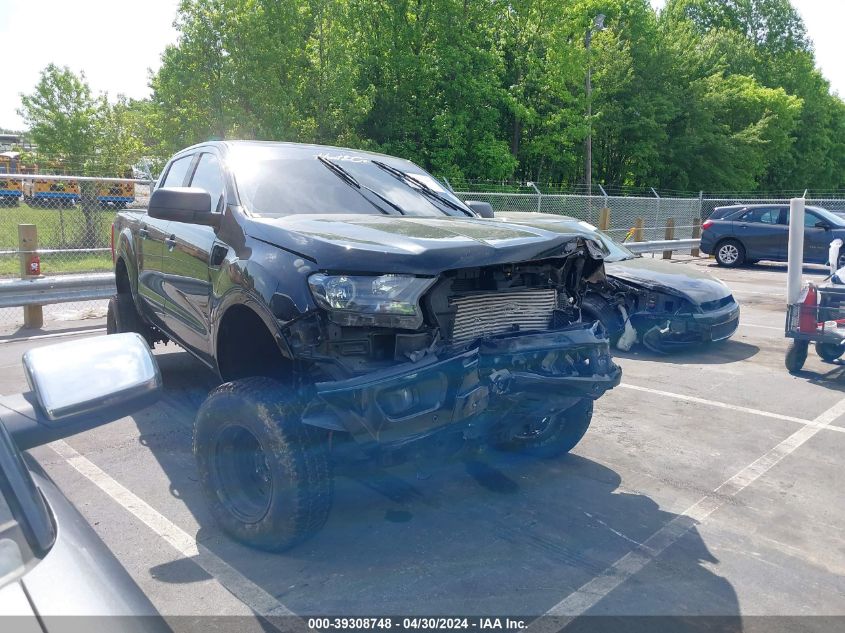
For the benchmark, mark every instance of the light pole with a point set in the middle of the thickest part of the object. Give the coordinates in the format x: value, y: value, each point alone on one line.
x: 597, y: 25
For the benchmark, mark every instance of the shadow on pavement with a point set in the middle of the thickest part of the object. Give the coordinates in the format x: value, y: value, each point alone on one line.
x: 720, y: 353
x: 490, y: 533
x: 831, y: 377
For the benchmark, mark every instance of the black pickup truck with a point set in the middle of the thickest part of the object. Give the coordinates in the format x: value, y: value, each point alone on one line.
x: 357, y: 311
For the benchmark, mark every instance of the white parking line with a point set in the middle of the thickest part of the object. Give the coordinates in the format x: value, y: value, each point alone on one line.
x: 236, y: 583
x: 765, y: 327
x: 592, y: 592
x: 732, y: 407
x: 38, y: 337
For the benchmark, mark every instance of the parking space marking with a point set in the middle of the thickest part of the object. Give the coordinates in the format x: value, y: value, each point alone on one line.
x: 765, y: 327
x: 592, y: 592
x: 231, y: 579
x: 38, y: 337
x: 733, y: 407
x: 714, y: 403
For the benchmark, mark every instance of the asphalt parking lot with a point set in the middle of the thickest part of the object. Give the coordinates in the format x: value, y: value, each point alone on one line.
x: 710, y: 483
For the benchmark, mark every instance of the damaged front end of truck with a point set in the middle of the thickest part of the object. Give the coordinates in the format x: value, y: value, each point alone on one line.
x: 479, y: 353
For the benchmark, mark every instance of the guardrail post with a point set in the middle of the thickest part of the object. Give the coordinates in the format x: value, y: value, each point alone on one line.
x: 33, y: 315
x: 696, y: 234
x: 604, y: 219
x: 670, y: 235
x: 639, y: 223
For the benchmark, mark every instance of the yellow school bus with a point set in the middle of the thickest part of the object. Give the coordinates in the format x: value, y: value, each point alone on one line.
x: 116, y: 194
x: 62, y: 192
x: 10, y: 189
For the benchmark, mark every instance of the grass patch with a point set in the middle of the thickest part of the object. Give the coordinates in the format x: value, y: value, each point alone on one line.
x: 57, y: 227
x: 59, y: 263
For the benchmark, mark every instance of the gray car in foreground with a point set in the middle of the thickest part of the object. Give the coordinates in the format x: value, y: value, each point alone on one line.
x: 52, y: 564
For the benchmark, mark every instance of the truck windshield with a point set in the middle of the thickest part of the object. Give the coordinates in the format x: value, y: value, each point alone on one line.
x: 288, y: 183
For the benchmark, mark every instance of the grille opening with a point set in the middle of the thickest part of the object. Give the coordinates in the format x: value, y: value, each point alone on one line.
x: 497, y: 313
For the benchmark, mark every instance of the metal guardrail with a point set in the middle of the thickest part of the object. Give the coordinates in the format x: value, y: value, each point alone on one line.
x: 662, y: 245
x: 15, y: 293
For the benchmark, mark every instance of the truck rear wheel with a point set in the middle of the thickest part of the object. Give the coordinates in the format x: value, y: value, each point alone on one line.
x: 555, y: 434
x: 266, y: 475
x: 122, y: 316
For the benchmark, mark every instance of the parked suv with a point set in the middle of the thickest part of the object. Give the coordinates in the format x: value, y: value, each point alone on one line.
x: 745, y: 234
x: 358, y: 310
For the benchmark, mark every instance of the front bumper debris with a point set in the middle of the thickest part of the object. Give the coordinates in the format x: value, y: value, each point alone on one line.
x: 668, y: 331
x: 413, y: 400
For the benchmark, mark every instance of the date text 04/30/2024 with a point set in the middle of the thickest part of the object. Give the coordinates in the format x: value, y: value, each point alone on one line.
x: 417, y: 623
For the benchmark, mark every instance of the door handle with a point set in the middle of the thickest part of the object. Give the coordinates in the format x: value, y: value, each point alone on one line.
x: 171, y: 242
x: 144, y: 233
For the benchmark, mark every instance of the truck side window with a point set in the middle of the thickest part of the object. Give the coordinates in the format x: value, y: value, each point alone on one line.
x: 176, y: 174
x: 209, y: 177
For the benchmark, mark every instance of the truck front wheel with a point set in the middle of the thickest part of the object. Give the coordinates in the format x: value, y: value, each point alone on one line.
x: 266, y: 475
x: 553, y: 435
x: 122, y: 316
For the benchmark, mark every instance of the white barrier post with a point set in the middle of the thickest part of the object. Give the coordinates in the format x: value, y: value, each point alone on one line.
x: 795, y: 260
x: 833, y: 255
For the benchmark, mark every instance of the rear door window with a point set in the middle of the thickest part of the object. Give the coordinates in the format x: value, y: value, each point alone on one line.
x: 177, y: 172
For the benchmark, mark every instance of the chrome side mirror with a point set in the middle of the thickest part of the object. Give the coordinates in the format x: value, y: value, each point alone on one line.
x: 80, y: 384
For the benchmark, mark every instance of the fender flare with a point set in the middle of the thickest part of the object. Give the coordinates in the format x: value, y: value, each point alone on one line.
x: 125, y: 250
x: 251, y: 300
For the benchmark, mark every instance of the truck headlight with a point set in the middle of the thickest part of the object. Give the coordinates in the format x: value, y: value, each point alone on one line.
x: 383, y: 301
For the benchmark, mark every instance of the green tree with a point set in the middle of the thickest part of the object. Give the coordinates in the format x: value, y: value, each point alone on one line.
x: 61, y: 114
x: 120, y: 130
x: 771, y: 25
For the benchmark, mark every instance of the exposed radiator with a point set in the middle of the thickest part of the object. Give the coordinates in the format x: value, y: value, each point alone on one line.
x: 479, y: 315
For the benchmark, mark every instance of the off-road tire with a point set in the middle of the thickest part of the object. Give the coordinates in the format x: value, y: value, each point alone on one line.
x: 122, y: 316
x: 730, y: 253
x: 567, y: 428
x: 796, y: 356
x: 293, y: 478
x: 829, y: 352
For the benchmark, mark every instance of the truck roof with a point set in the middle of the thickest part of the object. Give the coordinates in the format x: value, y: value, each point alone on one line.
x: 284, y: 149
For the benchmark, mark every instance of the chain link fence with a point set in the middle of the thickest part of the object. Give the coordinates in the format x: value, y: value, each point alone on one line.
x: 625, y: 211
x: 72, y: 216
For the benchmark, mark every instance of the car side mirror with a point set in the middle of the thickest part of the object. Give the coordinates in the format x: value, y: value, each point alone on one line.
x: 480, y: 208
x: 81, y: 384
x: 822, y: 225
x: 190, y: 205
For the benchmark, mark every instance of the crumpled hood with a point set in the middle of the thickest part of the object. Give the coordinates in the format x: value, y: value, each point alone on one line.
x: 412, y: 244
x: 657, y: 274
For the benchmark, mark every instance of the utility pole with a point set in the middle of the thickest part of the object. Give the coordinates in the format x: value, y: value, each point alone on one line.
x: 597, y: 25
